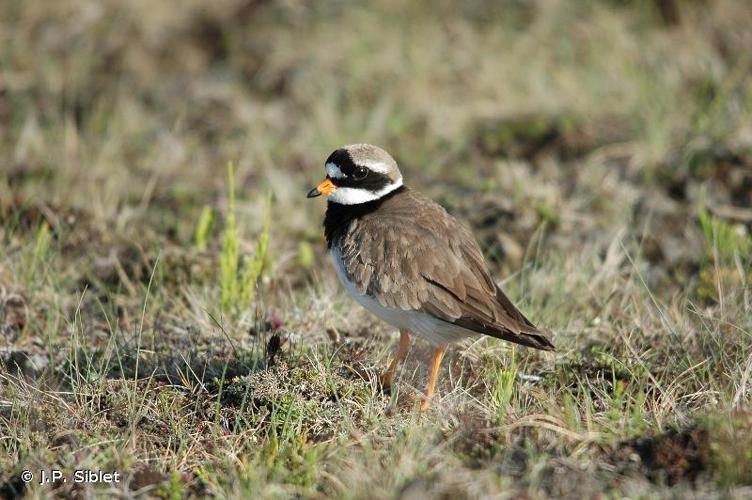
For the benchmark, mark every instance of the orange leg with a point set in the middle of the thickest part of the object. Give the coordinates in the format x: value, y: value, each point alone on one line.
x: 438, y: 355
x: 399, y: 356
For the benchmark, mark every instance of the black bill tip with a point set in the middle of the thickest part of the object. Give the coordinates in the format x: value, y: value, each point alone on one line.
x: 313, y: 193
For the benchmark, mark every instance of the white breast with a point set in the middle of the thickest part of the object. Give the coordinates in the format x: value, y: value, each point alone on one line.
x: 419, y: 323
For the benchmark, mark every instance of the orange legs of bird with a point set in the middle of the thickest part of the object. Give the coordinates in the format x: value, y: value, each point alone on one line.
x: 399, y: 356
x: 438, y: 355
x: 404, y: 344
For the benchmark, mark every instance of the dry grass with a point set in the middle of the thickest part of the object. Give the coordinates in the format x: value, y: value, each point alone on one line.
x: 603, y: 158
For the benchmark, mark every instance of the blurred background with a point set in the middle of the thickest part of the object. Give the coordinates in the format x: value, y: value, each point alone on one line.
x: 111, y: 107
x: 130, y: 111
x: 601, y: 150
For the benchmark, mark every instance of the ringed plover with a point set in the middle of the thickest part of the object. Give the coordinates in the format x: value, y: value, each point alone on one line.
x: 406, y: 260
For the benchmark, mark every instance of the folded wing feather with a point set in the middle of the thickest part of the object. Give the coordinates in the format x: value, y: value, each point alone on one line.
x: 423, y: 259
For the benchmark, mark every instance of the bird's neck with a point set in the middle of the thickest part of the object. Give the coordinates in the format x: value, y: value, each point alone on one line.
x: 338, y: 216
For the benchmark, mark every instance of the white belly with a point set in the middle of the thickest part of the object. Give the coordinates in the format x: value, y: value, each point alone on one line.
x: 419, y: 323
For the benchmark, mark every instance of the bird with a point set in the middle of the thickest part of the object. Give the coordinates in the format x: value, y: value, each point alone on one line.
x: 405, y: 259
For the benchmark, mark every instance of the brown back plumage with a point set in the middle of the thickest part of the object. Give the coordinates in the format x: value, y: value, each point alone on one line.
x: 409, y: 253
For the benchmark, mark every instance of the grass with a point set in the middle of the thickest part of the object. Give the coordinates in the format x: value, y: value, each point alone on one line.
x: 204, y: 227
x: 179, y: 321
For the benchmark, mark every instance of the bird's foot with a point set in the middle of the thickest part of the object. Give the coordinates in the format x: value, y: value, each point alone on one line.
x: 425, y: 404
x: 386, y: 380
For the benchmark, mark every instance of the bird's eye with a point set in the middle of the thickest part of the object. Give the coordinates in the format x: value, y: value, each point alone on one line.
x: 360, y: 173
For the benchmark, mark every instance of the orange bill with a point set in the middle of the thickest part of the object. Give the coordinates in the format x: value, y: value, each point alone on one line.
x: 326, y: 188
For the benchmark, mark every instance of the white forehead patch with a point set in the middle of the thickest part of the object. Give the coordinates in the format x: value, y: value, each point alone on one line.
x: 333, y: 171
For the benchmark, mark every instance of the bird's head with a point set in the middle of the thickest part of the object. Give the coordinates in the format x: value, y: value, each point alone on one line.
x: 358, y: 173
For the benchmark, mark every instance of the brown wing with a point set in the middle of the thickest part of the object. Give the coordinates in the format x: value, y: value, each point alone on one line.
x: 415, y: 256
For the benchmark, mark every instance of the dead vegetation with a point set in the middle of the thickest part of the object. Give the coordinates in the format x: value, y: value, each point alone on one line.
x: 600, y: 150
